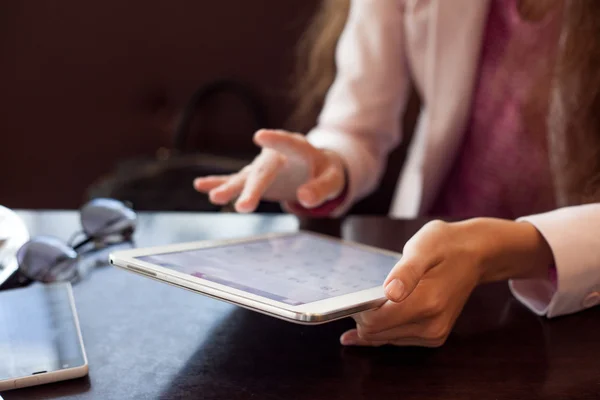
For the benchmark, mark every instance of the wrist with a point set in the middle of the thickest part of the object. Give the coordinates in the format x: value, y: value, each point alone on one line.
x: 511, y: 250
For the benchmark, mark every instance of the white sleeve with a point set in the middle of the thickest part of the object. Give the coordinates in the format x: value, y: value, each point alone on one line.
x: 573, y: 234
x: 361, y: 118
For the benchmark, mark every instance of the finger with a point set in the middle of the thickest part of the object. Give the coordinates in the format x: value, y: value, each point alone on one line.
x: 419, y: 256
x: 208, y: 183
x: 289, y: 144
x: 259, y: 179
x: 351, y: 338
x: 391, y: 315
x: 228, y: 190
x: 326, y: 186
x: 412, y: 330
x: 416, y: 342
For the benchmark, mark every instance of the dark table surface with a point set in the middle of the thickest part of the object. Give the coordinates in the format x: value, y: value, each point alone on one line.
x: 148, y: 340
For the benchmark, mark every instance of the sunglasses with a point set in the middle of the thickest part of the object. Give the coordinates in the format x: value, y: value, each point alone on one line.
x: 105, y: 223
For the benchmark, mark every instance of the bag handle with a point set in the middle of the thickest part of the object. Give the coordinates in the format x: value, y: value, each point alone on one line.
x: 203, y: 94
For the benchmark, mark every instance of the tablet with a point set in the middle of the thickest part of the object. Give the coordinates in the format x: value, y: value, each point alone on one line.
x: 300, y: 277
x: 40, y: 339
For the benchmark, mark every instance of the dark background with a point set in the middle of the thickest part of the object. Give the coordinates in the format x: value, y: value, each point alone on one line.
x: 85, y: 85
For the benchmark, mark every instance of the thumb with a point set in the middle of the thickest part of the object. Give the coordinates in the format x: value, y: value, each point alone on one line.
x: 421, y: 253
x: 326, y: 186
x: 406, y: 275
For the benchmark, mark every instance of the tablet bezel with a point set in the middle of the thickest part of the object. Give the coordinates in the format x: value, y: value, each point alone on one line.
x: 310, y: 313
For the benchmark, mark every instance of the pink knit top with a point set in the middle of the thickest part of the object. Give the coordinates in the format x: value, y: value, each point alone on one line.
x: 502, y: 169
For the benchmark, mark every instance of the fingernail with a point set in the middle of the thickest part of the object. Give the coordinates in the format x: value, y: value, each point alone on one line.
x: 213, y: 196
x: 217, y: 198
x: 394, y: 290
x: 348, y: 339
x: 242, y: 206
x: 259, y: 136
x: 306, y: 197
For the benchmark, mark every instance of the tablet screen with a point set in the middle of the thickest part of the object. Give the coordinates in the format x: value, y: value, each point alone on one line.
x: 38, y: 332
x: 295, y: 269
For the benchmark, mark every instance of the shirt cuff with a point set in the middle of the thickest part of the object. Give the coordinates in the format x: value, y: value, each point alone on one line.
x: 574, y: 283
x: 536, y: 294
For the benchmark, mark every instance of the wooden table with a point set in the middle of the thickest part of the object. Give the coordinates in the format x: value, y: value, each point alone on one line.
x: 147, y: 340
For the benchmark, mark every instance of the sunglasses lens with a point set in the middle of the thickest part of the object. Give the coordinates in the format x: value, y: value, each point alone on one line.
x: 105, y: 217
x: 47, y: 259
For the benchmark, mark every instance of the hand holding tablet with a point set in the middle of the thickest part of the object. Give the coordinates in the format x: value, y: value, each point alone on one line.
x: 300, y: 277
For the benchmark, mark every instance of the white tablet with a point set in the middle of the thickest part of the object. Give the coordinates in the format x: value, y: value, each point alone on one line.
x: 300, y: 277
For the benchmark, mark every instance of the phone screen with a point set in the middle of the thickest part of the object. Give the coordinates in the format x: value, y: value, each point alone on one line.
x: 293, y: 269
x: 38, y: 331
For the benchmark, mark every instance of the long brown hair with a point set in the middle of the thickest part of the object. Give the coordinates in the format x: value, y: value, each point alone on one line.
x: 315, y: 68
x: 574, y: 117
x: 569, y: 92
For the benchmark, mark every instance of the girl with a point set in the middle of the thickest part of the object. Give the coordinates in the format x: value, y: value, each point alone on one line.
x: 508, y: 132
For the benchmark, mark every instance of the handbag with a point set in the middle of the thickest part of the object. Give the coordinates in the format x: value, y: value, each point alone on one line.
x: 164, y: 182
